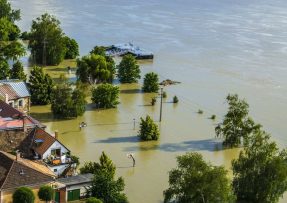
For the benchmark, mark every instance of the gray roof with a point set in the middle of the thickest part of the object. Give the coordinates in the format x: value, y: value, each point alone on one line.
x: 19, y: 87
x: 75, y: 180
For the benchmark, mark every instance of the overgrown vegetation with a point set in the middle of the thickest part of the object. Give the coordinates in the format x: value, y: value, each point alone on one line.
x: 105, y: 96
x: 148, y: 129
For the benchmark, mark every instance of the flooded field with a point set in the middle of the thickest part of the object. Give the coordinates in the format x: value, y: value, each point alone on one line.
x: 212, y: 47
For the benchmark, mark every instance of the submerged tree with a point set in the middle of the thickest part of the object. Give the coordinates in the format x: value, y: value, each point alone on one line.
x: 151, y: 82
x: 41, y: 86
x: 236, y: 125
x: 148, y: 129
x: 17, y: 71
x: 95, y: 69
x: 67, y: 103
x: 196, y: 181
x: 260, y: 172
x: 105, y: 96
x: 47, y: 42
x: 129, y: 71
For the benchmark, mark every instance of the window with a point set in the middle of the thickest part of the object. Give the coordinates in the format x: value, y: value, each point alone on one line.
x: 56, y: 152
x: 11, y: 104
x: 55, y: 170
x: 21, y: 103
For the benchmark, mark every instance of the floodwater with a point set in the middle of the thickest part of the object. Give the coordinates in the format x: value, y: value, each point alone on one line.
x: 214, y: 47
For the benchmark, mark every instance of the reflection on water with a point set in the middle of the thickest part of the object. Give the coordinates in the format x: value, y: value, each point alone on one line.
x: 212, y: 47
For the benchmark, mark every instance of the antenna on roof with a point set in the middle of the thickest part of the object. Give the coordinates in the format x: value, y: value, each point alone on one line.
x: 21, y: 172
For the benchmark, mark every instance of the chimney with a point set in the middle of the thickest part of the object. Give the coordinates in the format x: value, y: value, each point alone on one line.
x: 56, y: 134
x: 6, y: 98
x: 18, y: 155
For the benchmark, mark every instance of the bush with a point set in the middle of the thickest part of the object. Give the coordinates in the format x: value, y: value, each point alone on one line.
x: 153, y: 101
x: 200, y: 111
x: 23, y: 194
x: 93, y: 200
x: 213, y: 117
x: 105, y: 96
x: 148, y: 129
x: 151, y: 82
x: 175, y: 99
x: 164, y: 95
x: 46, y: 193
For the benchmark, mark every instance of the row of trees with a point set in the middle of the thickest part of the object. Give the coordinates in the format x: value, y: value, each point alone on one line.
x: 259, y: 174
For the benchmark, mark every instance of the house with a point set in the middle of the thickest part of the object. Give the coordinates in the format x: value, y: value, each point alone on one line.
x: 49, y: 149
x: 16, y: 94
x: 73, y: 188
x: 17, y: 172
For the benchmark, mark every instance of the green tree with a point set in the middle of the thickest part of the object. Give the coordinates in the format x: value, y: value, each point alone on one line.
x: 67, y: 103
x: 23, y: 195
x: 7, y: 12
x: 105, y: 164
x: 196, y: 181
x: 236, y: 125
x: 151, y: 82
x: 95, y: 69
x: 4, y: 69
x: 128, y: 70
x: 260, y: 172
x: 41, y: 86
x: 47, y: 39
x: 148, y: 129
x: 99, y: 50
x: 46, y: 193
x: 93, y: 200
x: 17, y: 72
x: 105, y: 96
x: 105, y: 187
x: 72, y: 48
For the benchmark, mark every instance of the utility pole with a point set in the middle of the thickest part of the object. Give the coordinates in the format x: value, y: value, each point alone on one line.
x: 161, y: 95
x: 134, y: 123
x: 44, y: 52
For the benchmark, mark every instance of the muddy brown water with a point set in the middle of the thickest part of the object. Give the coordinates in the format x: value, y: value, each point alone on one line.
x: 212, y: 47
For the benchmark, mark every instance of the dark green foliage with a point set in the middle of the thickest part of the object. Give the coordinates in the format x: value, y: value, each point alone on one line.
x: 164, y: 95
x: 72, y: 48
x: 151, y: 82
x: 196, y: 181
x: 213, y: 117
x: 175, y: 99
x: 46, y: 33
x: 99, y: 50
x: 75, y: 160
x: 4, y: 69
x: 67, y: 103
x: 153, y: 101
x: 41, y: 86
x: 200, y: 111
x: 23, y: 195
x: 128, y: 70
x: 93, y: 200
x: 105, y: 96
x: 46, y: 193
x: 17, y: 71
x: 95, y: 69
x: 260, y: 172
x: 25, y: 35
x: 236, y: 123
x: 106, y: 188
x: 148, y: 129
x: 105, y: 164
x: 7, y: 12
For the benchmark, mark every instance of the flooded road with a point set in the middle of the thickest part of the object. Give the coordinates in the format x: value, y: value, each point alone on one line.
x: 212, y: 47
